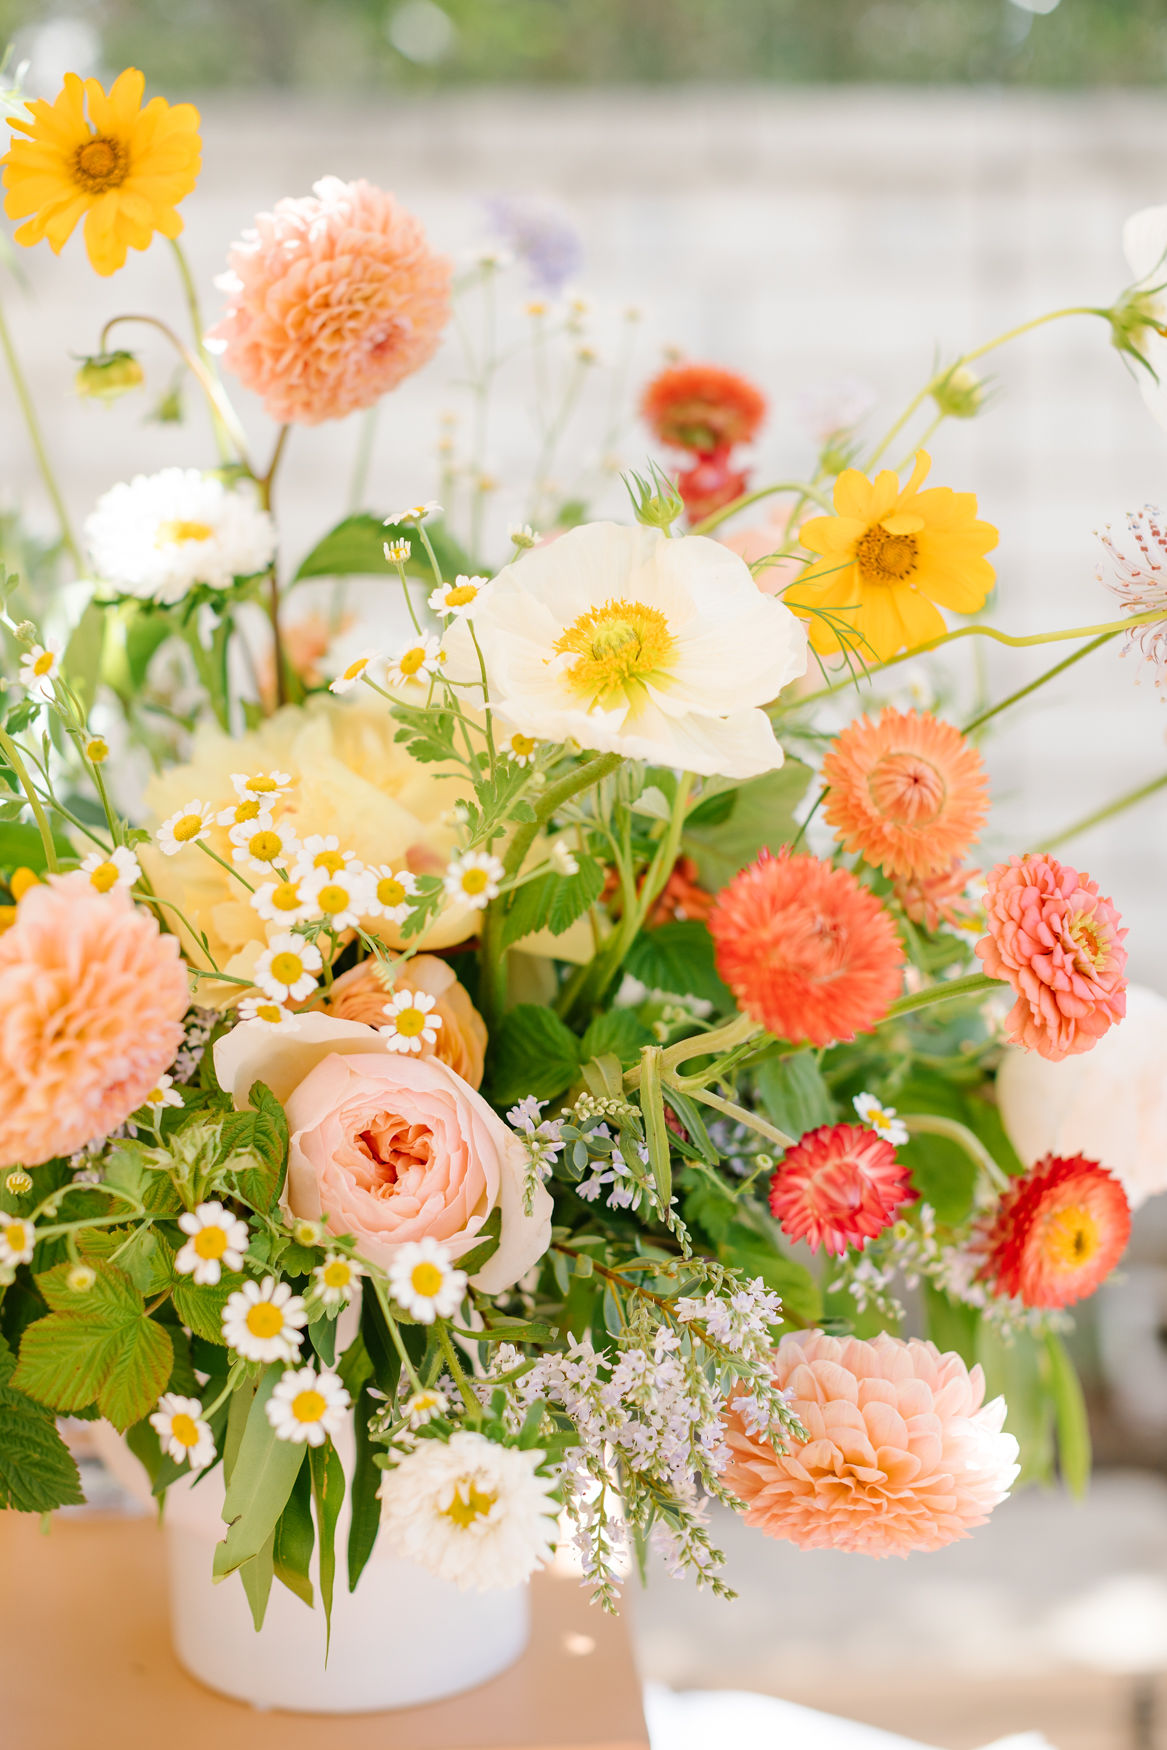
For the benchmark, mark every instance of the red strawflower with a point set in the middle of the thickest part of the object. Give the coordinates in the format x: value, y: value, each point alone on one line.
x: 702, y: 408
x: 840, y: 1186
x: 1059, y: 1231
x: 806, y: 949
x: 711, y: 483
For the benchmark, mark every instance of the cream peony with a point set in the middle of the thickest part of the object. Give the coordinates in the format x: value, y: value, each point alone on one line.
x: 1109, y: 1104
x: 627, y: 641
x: 389, y: 1148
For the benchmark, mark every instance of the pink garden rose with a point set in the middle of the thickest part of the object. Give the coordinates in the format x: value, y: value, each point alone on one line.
x: 389, y: 1148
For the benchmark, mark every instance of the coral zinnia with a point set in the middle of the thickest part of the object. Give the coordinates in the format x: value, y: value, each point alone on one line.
x: 125, y: 168
x: 908, y: 793
x: 840, y: 1186
x: 889, y: 554
x: 1057, y: 941
x: 91, y: 1000
x: 333, y: 300
x: 1058, y: 1233
x: 806, y: 949
x: 702, y: 408
x: 903, y: 1454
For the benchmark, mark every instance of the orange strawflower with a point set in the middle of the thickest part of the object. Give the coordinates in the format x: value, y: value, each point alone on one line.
x: 908, y: 793
x: 806, y: 949
x: 1058, y: 1233
x: 702, y: 408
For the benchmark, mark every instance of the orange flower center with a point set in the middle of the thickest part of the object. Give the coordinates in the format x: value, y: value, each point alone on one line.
x: 886, y: 558
x: 906, y: 789
x: 101, y: 164
x: 1088, y: 942
x: 1071, y: 1238
x: 183, y: 1429
x: 264, y: 1319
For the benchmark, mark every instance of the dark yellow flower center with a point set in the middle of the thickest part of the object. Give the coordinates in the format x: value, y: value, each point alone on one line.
x: 469, y: 1503
x: 412, y: 660
x: 287, y: 968
x: 104, y: 877
x: 264, y: 1319
x: 425, y: 1278
x: 337, y: 1274
x: 619, y: 647
x: 183, y: 1429
x: 1072, y: 1237
x: 286, y: 896
x: 333, y: 898
x: 309, y: 1406
x: 474, y: 881
x: 886, y: 558
x: 101, y: 164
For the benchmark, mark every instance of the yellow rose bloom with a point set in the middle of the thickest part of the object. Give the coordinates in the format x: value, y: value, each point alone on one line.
x: 124, y: 168
x: 888, y: 556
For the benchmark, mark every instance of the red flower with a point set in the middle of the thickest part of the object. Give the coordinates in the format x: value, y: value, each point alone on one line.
x: 806, y: 949
x: 702, y: 408
x: 840, y: 1186
x: 1059, y: 1231
x: 711, y: 483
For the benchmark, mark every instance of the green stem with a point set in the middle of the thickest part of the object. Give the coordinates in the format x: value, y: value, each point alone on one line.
x: 455, y: 1366
x: 12, y: 754
x: 932, y: 1124
x: 395, y: 1334
x: 1101, y: 814
x: 190, y: 293
x: 273, y: 610
x: 223, y: 415
x: 36, y: 438
x: 717, y: 517
x: 1023, y: 692
x: 363, y: 459
x: 724, y: 1038
x: 741, y: 1116
x: 948, y: 988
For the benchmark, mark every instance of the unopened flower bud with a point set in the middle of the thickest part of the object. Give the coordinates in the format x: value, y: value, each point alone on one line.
x: 81, y: 1278
x: 1141, y: 310
x: 960, y: 394
x: 306, y: 1233
x: 522, y: 535
x: 18, y: 1183
x: 655, y: 502
x: 107, y: 375
x: 168, y: 409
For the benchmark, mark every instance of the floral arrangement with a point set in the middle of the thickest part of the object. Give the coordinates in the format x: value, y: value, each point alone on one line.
x: 529, y: 1062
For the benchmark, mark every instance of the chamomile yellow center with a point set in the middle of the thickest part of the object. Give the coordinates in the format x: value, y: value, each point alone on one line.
x: 179, y: 530
x: 264, y: 846
x: 425, y: 1278
x: 886, y: 558
x: 390, y: 891
x: 287, y: 967
x: 246, y: 810
x: 14, y: 1235
x: 1072, y: 1237
x: 409, y: 1023
x: 337, y: 1274
x: 264, y: 1320
x: 286, y: 896
x: 618, y: 648
x: 43, y: 664
x: 474, y: 881
x: 461, y: 595
x: 355, y: 668
x: 522, y: 746
x: 155, y: 1097
x: 269, y: 1012
x: 469, y: 1503
x: 333, y: 898
x: 188, y: 826
x: 183, y: 1429
x: 104, y: 877
x: 309, y: 1406
x: 413, y: 660
x: 262, y: 786
x: 333, y: 861
x: 210, y: 1242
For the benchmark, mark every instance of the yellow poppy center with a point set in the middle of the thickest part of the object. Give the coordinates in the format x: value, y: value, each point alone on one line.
x: 265, y: 847
x: 43, y: 664
x: 1072, y: 1237
x: 180, y: 530
x: 309, y: 1406
x: 886, y: 558
x: 183, y: 1429
x: 337, y: 1274
x: 906, y: 789
x: 474, y: 881
x: 189, y: 827
x: 469, y: 1503
x: 286, y: 967
x: 286, y: 896
x: 410, y: 1022
x: 210, y: 1242
x: 333, y: 861
x: 425, y: 1278
x: 390, y: 891
x: 333, y: 898
x: 264, y: 1319
x: 100, y: 164
x: 104, y: 877
x: 412, y: 660
x: 618, y: 646
x: 14, y: 1236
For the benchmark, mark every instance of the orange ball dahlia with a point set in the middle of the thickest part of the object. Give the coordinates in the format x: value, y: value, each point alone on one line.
x: 806, y: 949
x: 903, y: 1453
x: 332, y: 301
x: 92, y: 997
x: 1058, y: 1233
x: 702, y: 408
x: 840, y: 1186
x: 1058, y: 942
x: 908, y: 792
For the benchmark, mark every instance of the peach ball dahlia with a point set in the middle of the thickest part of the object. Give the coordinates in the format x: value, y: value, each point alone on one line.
x: 902, y: 1452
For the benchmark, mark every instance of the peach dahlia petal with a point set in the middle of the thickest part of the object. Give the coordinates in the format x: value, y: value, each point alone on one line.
x: 840, y: 1186
x: 1058, y: 1233
x: 903, y: 1452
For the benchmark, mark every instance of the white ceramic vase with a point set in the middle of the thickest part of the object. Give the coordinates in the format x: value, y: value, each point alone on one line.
x: 402, y: 1638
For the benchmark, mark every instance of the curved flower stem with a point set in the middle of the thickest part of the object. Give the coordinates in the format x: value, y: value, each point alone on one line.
x: 266, y: 484
x: 717, y: 517
x: 932, y: 1124
x: 395, y: 1334
x: 220, y: 408
x: 721, y: 1039
x: 972, y: 985
x: 12, y: 754
x: 1050, y: 673
x: 190, y: 293
x: 36, y: 438
x: 740, y: 1115
x: 1101, y: 814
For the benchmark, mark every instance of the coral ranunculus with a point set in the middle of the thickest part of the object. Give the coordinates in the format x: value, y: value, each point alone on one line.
x: 1058, y: 1233
x: 361, y: 994
x: 92, y: 997
x: 908, y: 793
x: 806, y: 949
x: 1057, y: 941
x: 702, y: 408
x: 333, y: 300
x: 903, y: 1453
x: 840, y: 1186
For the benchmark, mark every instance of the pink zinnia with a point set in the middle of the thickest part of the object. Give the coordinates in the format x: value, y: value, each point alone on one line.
x: 92, y: 997
x: 1057, y: 941
x: 903, y: 1454
x: 840, y: 1186
x: 333, y: 300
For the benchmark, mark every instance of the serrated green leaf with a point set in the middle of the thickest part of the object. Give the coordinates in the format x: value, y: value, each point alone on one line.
x: 762, y: 818
x: 619, y: 1032
x: 37, y: 1471
x: 64, y: 1360
x: 112, y: 1298
x: 678, y: 958
x: 327, y: 1474
x: 295, y: 1539
x: 552, y: 902
x: 139, y: 1368
x: 201, y: 1307
x: 534, y: 1054
x: 260, y: 1139
x: 261, y: 1480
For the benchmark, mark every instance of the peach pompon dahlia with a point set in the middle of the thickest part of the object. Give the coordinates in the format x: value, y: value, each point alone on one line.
x: 840, y: 1186
x: 908, y: 792
x: 92, y: 997
x: 1057, y: 941
x: 332, y: 301
x: 1058, y: 1233
x: 903, y: 1453
x: 702, y: 408
x: 806, y: 949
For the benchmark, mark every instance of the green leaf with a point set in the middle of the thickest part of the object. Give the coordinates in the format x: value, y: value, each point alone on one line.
x: 1015, y: 1370
x: 619, y: 1032
x: 96, y: 1345
x: 762, y: 818
x: 295, y: 1539
x: 534, y: 1054
x: 793, y: 1093
x: 64, y: 1360
x: 748, y: 1252
x: 81, y: 662
x: 656, y: 1131
x: 260, y: 1137
x: 261, y: 1481
x: 112, y: 1299
x: 37, y: 1471
x: 257, y: 1575
x: 678, y: 958
x: 366, y: 1507
x: 328, y: 1497
x: 201, y: 1307
x: 552, y: 902
x: 709, y: 1207
x: 511, y: 1331
x: 356, y: 547
x: 21, y: 847
x: 490, y: 1233
x: 139, y: 1369
x: 1073, y: 1427
x: 952, y: 1325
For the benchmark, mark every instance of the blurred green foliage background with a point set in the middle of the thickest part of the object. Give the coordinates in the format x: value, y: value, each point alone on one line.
x: 371, y: 45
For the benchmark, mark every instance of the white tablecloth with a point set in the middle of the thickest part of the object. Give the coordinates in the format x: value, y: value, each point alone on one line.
x: 707, y: 1719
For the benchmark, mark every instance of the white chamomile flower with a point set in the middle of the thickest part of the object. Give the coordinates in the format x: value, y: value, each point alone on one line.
x: 414, y: 513
x: 39, y: 668
x: 418, y: 661
x: 473, y: 878
x: 389, y: 893
x: 262, y: 787
x: 288, y: 967
x: 397, y: 552
x: 471, y: 1511
x: 267, y: 1013
x: 245, y: 811
x: 335, y: 1281
x: 424, y: 1282
x: 217, y: 1241
x: 285, y: 902
x: 410, y: 1021
x: 458, y: 599
x: 183, y: 1431
x: 119, y: 869
x: 186, y: 826
x: 158, y: 535
x: 262, y: 1321
x: 522, y: 534
x: 354, y: 672
x: 339, y: 896
x: 882, y: 1119
x: 562, y: 858
x: 263, y: 845
x: 520, y: 748
x: 320, y: 851
x: 17, y: 1239
x: 307, y: 1406
x: 422, y: 1406
x: 163, y: 1093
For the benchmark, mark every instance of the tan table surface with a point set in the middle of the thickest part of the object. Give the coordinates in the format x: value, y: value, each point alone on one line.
x: 86, y: 1661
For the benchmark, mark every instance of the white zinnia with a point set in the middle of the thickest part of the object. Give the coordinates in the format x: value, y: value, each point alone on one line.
x: 217, y: 1241
x: 183, y: 1431
x: 158, y: 535
x: 424, y: 1282
x: 629, y: 642
x: 307, y: 1406
x: 262, y: 1321
x: 471, y: 1511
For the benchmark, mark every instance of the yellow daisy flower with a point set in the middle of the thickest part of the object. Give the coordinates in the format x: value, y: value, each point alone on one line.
x: 124, y: 168
x: 888, y: 556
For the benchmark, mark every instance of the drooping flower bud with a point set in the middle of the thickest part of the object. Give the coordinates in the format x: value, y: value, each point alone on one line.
x: 107, y: 375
